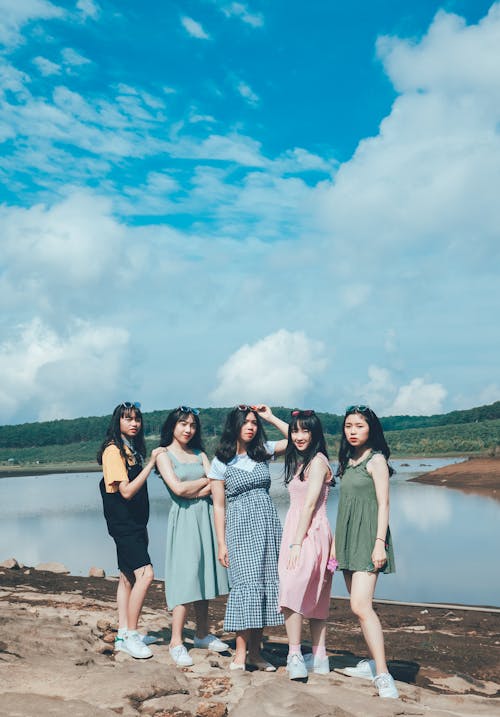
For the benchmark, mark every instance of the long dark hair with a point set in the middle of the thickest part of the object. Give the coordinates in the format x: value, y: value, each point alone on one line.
x: 256, y: 449
x: 376, y: 439
x: 114, y: 436
x: 167, y: 430
x: 307, y: 421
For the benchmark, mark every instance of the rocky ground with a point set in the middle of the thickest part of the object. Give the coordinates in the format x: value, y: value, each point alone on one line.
x: 56, y: 658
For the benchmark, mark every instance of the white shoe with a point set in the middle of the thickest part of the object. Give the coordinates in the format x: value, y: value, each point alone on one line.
x: 296, y: 666
x: 385, y: 686
x: 133, y: 646
x: 180, y: 656
x: 365, y: 669
x: 318, y: 665
x: 237, y: 666
x: 210, y: 642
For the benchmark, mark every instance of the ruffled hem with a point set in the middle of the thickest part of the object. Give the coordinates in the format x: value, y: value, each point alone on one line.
x: 252, y: 606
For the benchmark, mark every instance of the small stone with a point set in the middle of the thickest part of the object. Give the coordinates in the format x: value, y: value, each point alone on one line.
x: 211, y: 709
x: 10, y: 563
x: 53, y: 568
x: 109, y: 637
x: 104, y: 625
x: 96, y: 572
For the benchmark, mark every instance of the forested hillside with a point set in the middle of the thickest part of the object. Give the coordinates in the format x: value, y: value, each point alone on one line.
x: 476, y: 430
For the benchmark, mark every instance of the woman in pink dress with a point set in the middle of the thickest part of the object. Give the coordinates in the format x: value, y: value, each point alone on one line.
x: 304, y: 570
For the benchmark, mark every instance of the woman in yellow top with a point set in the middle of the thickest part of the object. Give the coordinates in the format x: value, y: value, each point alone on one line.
x: 126, y: 509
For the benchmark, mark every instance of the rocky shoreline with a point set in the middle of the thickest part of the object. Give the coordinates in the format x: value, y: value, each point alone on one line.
x: 478, y: 476
x: 56, y: 657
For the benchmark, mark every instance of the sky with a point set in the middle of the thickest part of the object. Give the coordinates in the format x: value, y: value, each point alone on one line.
x: 208, y: 202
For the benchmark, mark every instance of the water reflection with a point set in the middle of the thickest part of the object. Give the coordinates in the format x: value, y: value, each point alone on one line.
x: 446, y: 541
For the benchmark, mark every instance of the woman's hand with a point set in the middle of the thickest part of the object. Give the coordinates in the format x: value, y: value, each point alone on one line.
x: 379, y: 556
x: 223, y: 556
x: 156, y: 452
x: 293, y: 558
x: 263, y: 411
x: 204, y: 492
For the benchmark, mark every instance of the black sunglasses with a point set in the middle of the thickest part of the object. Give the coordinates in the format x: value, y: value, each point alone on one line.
x: 244, y: 407
x: 356, y: 409
x: 303, y: 411
x: 127, y: 404
x: 188, y: 409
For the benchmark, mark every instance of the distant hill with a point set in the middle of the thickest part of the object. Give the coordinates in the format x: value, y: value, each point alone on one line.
x: 475, y: 430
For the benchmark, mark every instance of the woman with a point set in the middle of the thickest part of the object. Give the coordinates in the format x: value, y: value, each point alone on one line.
x: 126, y: 509
x: 248, y: 528
x: 305, y: 580
x: 362, y: 542
x: 192, y: 572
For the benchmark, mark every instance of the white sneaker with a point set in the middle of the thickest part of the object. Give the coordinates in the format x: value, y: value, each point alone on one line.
x: 133, y: 646
x: 296, y: 666
x: 364, y: 669
x: 180, y: 656
x: 318, y: 665
x: 385, y: 686
x: 210, y: 642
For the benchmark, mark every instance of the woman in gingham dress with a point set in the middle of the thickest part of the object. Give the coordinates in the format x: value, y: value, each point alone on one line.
x: 248, y: 528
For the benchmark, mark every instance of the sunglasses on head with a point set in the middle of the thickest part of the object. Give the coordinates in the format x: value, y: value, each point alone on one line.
x: 356, y: 409
x: 188, y: 409
x: 127, y: 404
x: 244, y: 407
x: 302, y: 411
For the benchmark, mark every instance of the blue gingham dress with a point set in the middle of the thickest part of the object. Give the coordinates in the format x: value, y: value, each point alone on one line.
x: 253, y: 536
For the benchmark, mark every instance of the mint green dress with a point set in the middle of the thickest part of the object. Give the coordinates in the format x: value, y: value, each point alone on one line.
x: 192, y: 571
x: 356, y: 527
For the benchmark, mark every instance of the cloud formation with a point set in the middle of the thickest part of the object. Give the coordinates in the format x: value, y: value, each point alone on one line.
x: 280, y: 369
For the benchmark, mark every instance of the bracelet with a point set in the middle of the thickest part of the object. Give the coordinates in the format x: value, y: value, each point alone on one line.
x: 382, y: 539
x: 292, y: 544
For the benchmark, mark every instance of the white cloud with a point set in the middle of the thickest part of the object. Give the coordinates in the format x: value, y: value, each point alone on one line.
x: 279, y: 369
x: 418, y: 398
x: 193, y: 28
x: 247, y: 93
x: 73, y: 58
x: 89, y: 8
x: 15, y: 15
x: 51, y: 373
x: 46, y: 67
x: 241, y: 11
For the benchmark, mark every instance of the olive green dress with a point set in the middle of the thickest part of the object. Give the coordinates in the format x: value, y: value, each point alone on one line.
x: 192, y: 571
x: 356, y: 528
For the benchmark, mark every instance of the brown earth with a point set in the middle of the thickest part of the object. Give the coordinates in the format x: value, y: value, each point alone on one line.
x: 480, y: 476
x: 56, y: 658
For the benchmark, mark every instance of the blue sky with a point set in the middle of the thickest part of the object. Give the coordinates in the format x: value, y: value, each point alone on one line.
x: 211, y: 202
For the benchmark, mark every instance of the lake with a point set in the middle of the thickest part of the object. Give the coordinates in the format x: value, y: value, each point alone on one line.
x: 446, y: 542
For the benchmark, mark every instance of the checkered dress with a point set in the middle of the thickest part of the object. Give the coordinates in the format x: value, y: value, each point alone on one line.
x: 253, y: 536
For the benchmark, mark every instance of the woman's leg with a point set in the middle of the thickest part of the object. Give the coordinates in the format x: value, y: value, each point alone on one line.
x: 362, y: 588
x: 201, y: 612
x: 242, y: 638
x: 293, y: 625
x: 318, y: 637
x: 122, y: 599
x: 254, y: 645
x: 143, y: 579
x: 179, y: 614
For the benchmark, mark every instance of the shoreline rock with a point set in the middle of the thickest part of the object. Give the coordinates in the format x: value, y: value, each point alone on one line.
x: 478, y: 476
x: 56, y: 656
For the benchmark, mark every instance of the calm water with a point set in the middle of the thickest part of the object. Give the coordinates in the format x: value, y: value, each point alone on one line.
x: 446, y: 542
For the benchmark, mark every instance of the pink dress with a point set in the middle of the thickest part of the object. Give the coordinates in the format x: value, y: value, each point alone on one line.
x: 306, y: 589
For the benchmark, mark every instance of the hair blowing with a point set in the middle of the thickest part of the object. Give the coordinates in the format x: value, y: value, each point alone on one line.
x: 256, y: 449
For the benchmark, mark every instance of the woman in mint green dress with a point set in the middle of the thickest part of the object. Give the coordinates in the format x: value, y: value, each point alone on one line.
x: 362, y: 543
x: 192, y: 571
